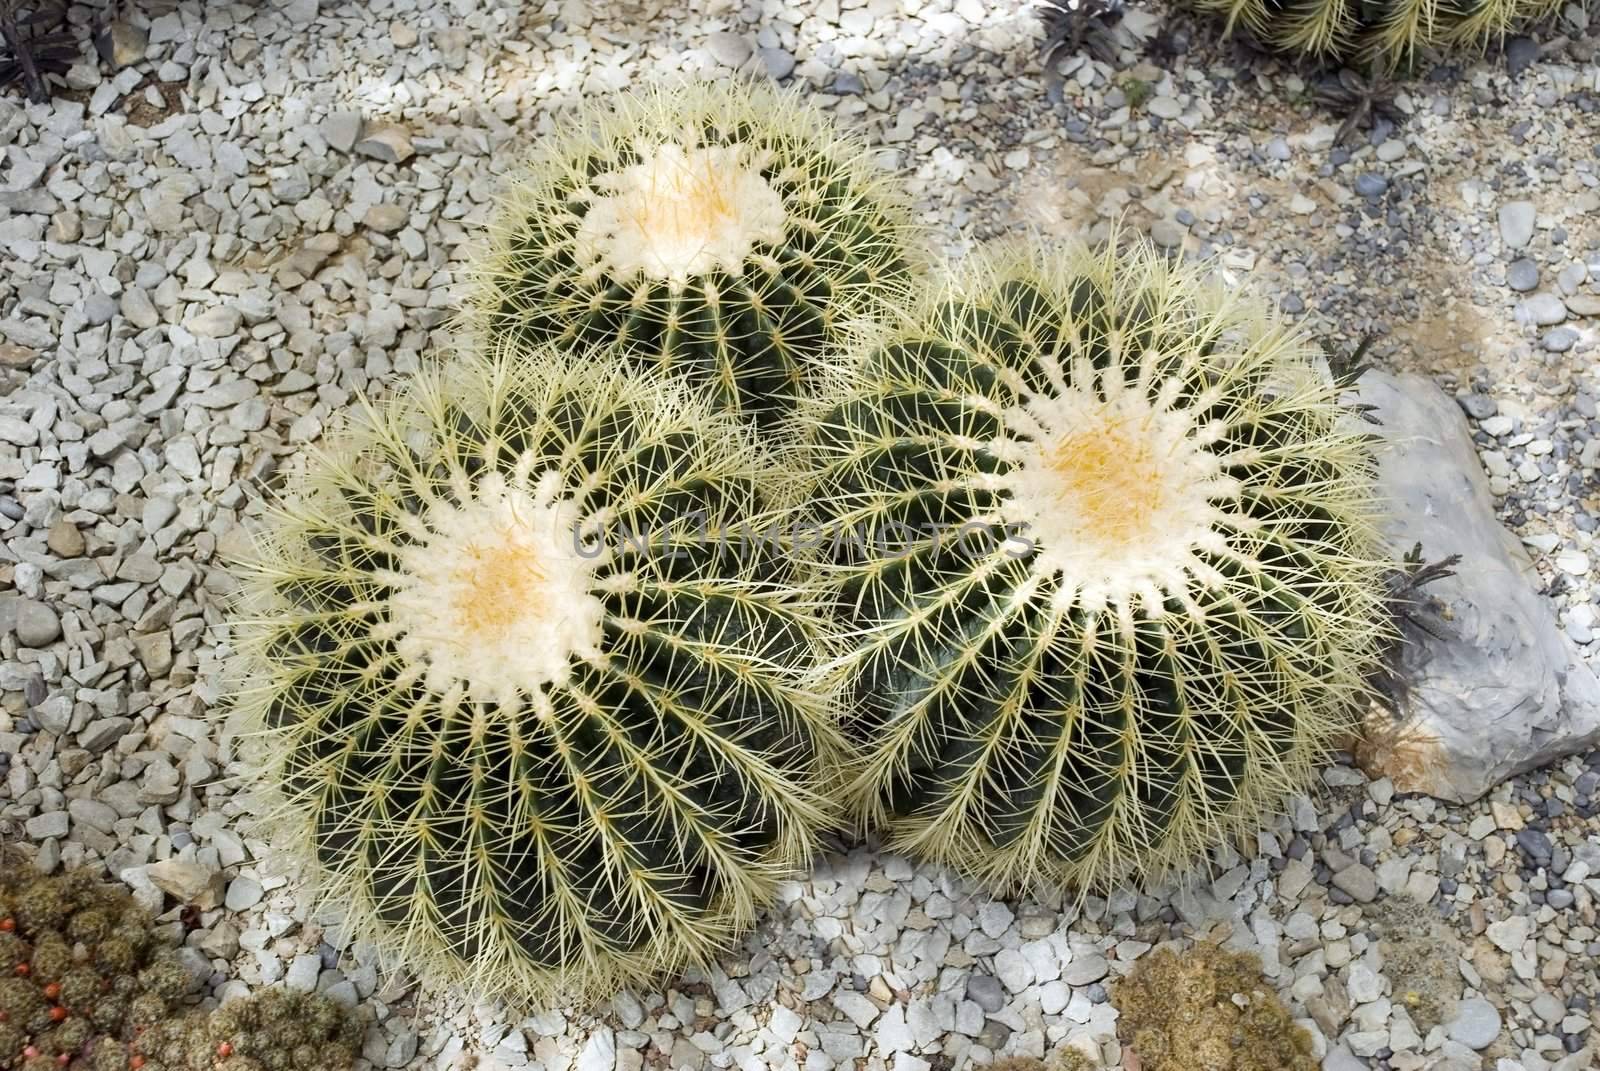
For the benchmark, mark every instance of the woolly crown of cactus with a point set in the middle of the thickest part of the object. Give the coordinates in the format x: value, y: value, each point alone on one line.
x: 1392, y: 34
x: 534, y: 705
x: 1105, y: 543
x: 721, y: 230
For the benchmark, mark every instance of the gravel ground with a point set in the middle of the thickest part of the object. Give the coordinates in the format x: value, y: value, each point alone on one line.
x: 206, y: 254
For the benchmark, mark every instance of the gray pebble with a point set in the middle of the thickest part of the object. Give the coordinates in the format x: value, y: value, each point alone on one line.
x: 1477, y: 406
x: 1476, y: 1023
x: 1358, y: 881
x: 779, y: 63
x: 1516, y: 223
x: 1559, y: 340
x: 1369, y: 184
x: 37, y: 624
x: 244, y: 892
x: 985, y: 991
x: 1541, y: 309
x: 1522, y: 275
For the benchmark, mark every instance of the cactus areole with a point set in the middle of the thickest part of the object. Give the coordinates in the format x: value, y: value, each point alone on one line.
x: 1111, y: 573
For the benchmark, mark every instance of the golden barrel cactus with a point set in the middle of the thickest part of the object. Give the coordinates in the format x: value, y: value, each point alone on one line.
x: 1103, y: 540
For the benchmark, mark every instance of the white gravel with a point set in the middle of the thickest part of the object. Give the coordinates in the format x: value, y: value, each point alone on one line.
x: 206, y: 255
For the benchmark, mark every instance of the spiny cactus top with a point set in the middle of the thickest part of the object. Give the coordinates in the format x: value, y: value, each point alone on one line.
x: 1391, y: 33
x: 720, y: 230
x: 541, y: 727
x: 1105, y: 542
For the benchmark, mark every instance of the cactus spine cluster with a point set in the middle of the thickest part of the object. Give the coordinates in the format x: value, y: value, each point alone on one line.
x: 1103, y: 541
x: 1392, y: 33
x: 723, y: 231
x: 535, y: 704
x: 270, y: 1030
x: 82, y: 972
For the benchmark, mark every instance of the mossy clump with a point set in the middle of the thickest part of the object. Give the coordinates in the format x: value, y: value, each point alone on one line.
x: 1420, y: 956
x: 272, y: 1030
x: 1062, y: 1060
x: 1207, y: 1009
x: 82, y: 972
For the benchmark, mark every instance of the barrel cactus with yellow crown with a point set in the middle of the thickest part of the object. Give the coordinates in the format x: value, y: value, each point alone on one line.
x: 1391, y: 33
x: 1102, y: 538
x: 532, y: 708
x: 724, y: 231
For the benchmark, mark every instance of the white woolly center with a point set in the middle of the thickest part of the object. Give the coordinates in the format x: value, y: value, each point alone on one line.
x: 1116, y: 491
x: 496, y: 595
x: 679, y: 214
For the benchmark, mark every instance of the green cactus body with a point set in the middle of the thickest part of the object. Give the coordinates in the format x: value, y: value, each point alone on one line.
x: 1105, y: 543
x: 541, y: 729
x: 1391, y: 33
x: 726, y: 232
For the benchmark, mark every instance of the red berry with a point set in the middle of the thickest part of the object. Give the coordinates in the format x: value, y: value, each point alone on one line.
x: 57, y: 1014
x: 225, y: 1050
x: 52, y: 991
x: 30, y: 1052
x: 7, y: 925
x: 23, y: 970
x: 136, y: 1061
x: 63, y: 1060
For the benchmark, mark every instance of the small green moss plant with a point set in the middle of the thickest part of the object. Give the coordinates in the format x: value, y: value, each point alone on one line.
x: 1207, y: 1009
x: 534, y: 708
x: 1390, y: 34
x: 721, y: 230
x: 82, y: 972
x: 1104, y: 539
x: 271, y: 1030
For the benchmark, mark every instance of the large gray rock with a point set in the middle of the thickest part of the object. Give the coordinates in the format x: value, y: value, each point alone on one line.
x: 1504, y: 690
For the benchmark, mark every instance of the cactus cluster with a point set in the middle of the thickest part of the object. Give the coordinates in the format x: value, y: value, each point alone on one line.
x: 82, y: 972
x: 546, y: 684
x: 722, y: 231
x: 271, y: 1030
x: 533, y: 700
x: 1103, y: 544
x: 1390, y: 34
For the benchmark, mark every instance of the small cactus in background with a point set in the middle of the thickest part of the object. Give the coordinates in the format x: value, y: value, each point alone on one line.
x: 718, y: 230
x: 1390, y: 34
x: 270, y: 1030
x: 535, y: 711
x: 82, y: 971
x: 1105, y: 540
x: 1207, y: 1009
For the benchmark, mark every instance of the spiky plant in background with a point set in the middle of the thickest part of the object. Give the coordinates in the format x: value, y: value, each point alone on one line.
x: 1389, y: 35
x: 1104, y: 540
x: 724, y: 231
x: 1207, y: 1009
x: 534, y: 706
x: 82, y: 971
x: 270, y: 1030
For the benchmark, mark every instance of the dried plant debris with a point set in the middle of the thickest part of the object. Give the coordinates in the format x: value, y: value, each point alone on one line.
x: 36, y: 43
x: 1207, y: 1009
x: 1072, y: 26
